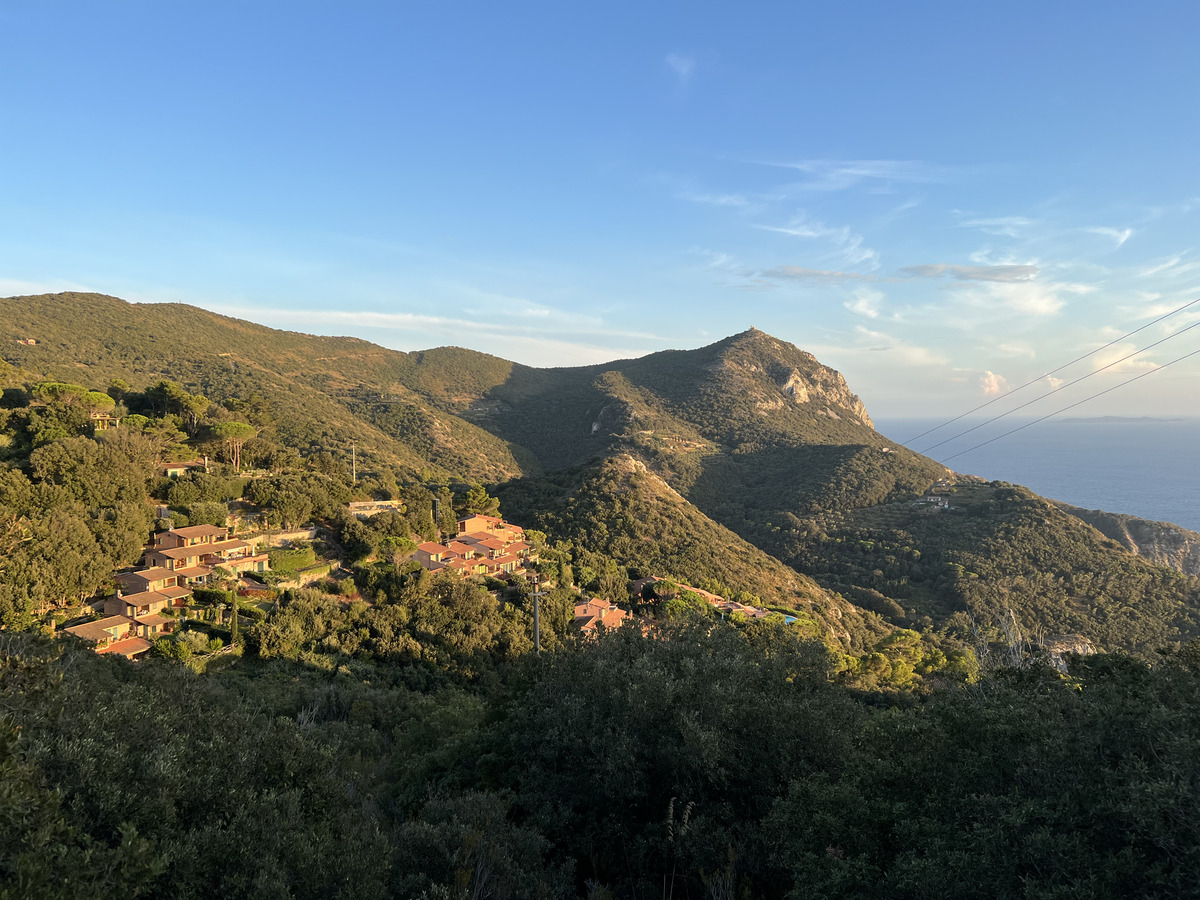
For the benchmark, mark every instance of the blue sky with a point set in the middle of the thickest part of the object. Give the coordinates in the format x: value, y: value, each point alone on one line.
x: 942, y: 200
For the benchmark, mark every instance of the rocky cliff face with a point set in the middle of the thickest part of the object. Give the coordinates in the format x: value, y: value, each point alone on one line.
x: 777, y: 372
x: 1161, y: 543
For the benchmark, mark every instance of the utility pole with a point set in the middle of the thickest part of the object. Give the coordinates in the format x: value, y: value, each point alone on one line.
x: 537, y: 614
x: 353, y: 462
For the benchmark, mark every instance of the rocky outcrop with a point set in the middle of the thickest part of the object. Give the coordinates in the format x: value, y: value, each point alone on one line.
x: 1161, y: 543
x: 795, y: 376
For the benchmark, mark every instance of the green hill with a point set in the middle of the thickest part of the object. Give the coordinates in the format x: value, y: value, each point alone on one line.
x: 324, y: 391
x: 749, y: 436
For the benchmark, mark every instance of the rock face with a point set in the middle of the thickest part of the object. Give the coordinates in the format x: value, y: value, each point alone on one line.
x: 1161, y: 543
x: 795, y: 376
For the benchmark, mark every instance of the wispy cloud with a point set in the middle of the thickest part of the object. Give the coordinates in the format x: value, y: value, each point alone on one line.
x: 1016, y: 350
x: 1001, y: 273
x: 682, y: 65
x: 1162, y: 266
x: 1171, y: 267
x: 1114, y: 356
x: 575, y: 343
x: 819, y: 276
x: 848, y: 245
x: 1005, y: 226
x: 16, y: 287
x: 840, y: 174
x: 735, y: 201
x: 1119, y: 236
x: 879, y: 349
x: 1028, y: 298
x: 865, y: 302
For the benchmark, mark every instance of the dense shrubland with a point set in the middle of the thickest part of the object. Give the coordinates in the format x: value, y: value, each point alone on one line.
x: 700, y: 757
x: 385, y: 732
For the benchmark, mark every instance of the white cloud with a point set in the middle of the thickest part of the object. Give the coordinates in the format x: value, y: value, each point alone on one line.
x: 877, y: 348
x: 848, y: 245
x: 1053, y: 382
x: 16, y: 287
x: 1004, y: 273
x: 1113, y: 359
x: 991, y: 383
x: 1016, y: 350
x: 1026, y: 297
x: 1005, y: 226
x: 682, y: 65
x: 1163, y: 266
x: 736, y: 201
x: 1120, y: 237
x: 540, y: 344
x: 840, y: 174
x: 824, y: 276
x: 866, y: 302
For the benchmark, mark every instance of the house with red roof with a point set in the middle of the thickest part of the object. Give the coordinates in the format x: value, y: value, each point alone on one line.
x: 112, y: 634
x: 195, y: 551
x: 589, y: 616
x: 484, y: 545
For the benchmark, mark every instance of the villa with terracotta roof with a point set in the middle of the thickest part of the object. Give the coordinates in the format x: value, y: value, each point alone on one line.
x: 193, y: 552
x: 725, y: 606
x: 591, y: 615
x: 490, y: 525
x: 484, y: 545
x: 175, y: 560
x: 112, y: 634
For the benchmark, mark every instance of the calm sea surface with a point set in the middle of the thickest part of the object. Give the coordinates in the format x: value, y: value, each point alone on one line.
x: 1148, y: 468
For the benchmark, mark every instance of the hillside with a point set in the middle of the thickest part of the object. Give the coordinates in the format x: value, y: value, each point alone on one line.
x: 324, y: 391
x: 624, y: 511
x: 1162, y: 543
x: 750, y: 442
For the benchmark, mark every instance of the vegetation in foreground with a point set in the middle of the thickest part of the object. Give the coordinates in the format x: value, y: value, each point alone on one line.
x: 704, y: 761
x: 388, y: 733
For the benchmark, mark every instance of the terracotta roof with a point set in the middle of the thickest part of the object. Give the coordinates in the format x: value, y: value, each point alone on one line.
x: 193, y: 572
x: 196, y: 550
x: 128, y: 647
x: 190, y: 464
x: 176, y: 593
x: 98, y: 630
x: 431, y: 547
x: 223, y: 546
x: 193, y: 531
x: 492, y: 519
x: 145, y: 598
x: 153, y: 620
x: 599, y: 612
x: 146, y: 576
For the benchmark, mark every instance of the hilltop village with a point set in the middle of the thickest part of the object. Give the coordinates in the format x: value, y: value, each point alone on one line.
x: 181, y: 564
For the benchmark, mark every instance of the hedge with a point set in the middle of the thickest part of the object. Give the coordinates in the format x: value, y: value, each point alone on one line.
x: 213, y: 595
x: 291, y: 560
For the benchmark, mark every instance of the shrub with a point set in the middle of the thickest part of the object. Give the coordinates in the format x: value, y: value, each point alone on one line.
x: 291, y: 560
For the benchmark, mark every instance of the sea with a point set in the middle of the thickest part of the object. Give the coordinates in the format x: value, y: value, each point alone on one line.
x: 1145, y: 467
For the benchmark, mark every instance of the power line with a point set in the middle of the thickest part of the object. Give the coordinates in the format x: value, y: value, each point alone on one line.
x: 1061, y: 387
x: 1072, y: 406
x: 1051, y: 372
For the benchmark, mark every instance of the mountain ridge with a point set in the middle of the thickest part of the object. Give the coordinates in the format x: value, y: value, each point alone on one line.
x: 752, y: 432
